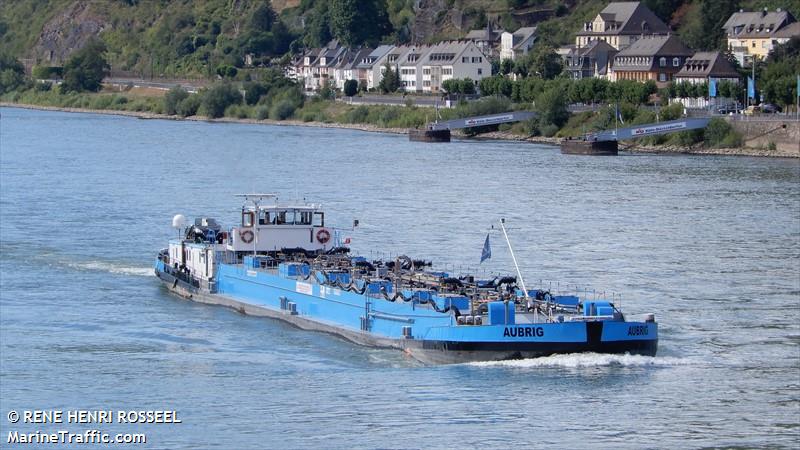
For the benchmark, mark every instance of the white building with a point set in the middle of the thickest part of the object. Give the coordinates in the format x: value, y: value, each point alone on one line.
x: 517, y: 44
x: 370, y: 66
x: 449, y: 60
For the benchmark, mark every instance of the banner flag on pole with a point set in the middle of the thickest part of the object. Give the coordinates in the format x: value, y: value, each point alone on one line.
x: 712, y: 88
x: 751, y: 88
x: 487, y: 250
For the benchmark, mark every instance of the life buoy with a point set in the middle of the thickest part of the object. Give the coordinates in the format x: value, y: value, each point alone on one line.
x: 323, y: 236
x: 247, y: 236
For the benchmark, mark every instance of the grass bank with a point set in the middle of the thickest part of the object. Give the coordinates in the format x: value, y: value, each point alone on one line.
x: 718, y: 138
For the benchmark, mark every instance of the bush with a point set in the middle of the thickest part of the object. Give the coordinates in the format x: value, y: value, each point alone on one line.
x: 47, y: 72
x: 720, y: 134
x: 219, y: 97
x: 173, y: 97
x: 552, y: 107
x: 548, y: 130
x: 488, y: 105
x: 43, y: 86
x: 12, y: 73
x: 358, y: 115
x: 189, y: 106
x: 350, y: 88
x: 226, y: 71
x: 86, y: 68
x: 281, y: 110
x: 262, y: 112
x: 237, y: 111
x: 253, y: 92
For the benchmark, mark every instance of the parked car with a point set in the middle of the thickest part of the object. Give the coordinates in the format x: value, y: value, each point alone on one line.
x: 752, y: 110
x: 769, y: 108
x: 730, y: 108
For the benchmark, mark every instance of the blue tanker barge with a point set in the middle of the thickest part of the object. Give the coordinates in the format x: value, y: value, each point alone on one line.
x: 282, y: 262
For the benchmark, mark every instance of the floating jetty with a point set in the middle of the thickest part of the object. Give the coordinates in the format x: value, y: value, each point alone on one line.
x: 583, y: 147
x: 428, y: 135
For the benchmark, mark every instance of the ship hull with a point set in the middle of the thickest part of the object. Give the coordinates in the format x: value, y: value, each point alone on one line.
x: 438, y: 341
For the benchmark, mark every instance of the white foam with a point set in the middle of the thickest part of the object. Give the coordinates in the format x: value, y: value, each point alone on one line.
x: 579, y: 360
x: 98, y: 266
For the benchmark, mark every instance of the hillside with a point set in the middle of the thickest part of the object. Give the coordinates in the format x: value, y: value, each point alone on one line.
x: 193, y: 38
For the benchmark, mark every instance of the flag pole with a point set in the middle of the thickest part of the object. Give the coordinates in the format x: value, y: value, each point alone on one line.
x: 514, y: 258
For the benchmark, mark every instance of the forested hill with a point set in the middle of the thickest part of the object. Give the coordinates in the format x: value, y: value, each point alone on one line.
x: 196, y: 37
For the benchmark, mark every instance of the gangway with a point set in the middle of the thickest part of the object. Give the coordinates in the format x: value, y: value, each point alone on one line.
x: 478, y: 121
x: 606, y: 142
x: 439, y: 131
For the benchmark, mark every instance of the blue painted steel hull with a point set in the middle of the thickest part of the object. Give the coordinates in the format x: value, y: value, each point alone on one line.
x: 434, y: 336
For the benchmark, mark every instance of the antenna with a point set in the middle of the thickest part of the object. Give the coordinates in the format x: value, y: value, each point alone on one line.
x: 514, y: 258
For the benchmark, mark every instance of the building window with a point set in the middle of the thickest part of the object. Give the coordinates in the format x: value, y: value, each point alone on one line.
x: 676, y: 62
x: 426, y: 71
x: 753, y: 44
x: 426, y: 83
x: 464, y: 59
x: 662, y: 62
x: 662, y: 77
x: 447, y: 71
x: 480, y: 71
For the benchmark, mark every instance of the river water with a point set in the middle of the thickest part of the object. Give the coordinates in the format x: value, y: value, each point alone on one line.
x: 711, y: 245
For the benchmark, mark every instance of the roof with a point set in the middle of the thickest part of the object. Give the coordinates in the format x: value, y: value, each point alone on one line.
x: 445, y: 52
x: 596, y: 47
x: 755, y: 24
x: 485, y: 34
x: 598, y: 51
x: 357, y: 56
x: 643, y: 54
x: 628, y: 18
x: 374, y: 56
x: 420, y: 50
x: 707, y: 64
x: 398, y: 54
x: 522, y: 35
x: 668, y: 45
x: 789, y: 31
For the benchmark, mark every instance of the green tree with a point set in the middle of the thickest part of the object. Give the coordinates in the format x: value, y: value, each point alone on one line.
x: 219, y: 97
x: 326, y: 92
x: 467, y: 86
x: 777, y: 78
x: 542, y: 62
x: 552, y: 107
x: 506, y: 66
x: 704, y: 30
x: 350, y: 88
x: 189, y: 106
x: 263, y: 18
x: 173, y: 98
x: 253, y: 92
x: 390, y: 82
x: 451, y: 86
x: 317, y: 31
x: 356, y: 22
x: 12, y: 73
x: 86, y: 68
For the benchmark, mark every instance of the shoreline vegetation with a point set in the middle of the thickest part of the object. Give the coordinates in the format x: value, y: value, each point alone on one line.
x: 507, y: 135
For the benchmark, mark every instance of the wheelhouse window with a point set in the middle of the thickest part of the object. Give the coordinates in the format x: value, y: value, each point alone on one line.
x: 265, y: 218
x: 319, y: 219
x: 248, y: 218
x: 305, y: 217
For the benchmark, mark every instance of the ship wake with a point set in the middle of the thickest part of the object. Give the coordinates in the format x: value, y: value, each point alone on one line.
x: 581, y: 360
